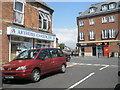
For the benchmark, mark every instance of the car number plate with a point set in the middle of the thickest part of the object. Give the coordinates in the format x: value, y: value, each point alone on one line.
x: 9, y: 77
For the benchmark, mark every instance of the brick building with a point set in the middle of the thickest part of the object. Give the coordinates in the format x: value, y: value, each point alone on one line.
x: 99, y: 29
x: 25, y: 25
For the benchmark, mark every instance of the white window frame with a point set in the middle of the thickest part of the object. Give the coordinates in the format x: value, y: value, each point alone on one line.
x: 104, y: 34
x: 92, y: 10
x: 112, y: 5
x: 92, y: 21
x: 82, y: 23
x: 92, y: 35
x: 19, y: 11
x: 112, y: 33
x: 104, y: 19
x: 112, y: 19
x: 104, y: 7
x: 82, y: 36
x: 45, y: 17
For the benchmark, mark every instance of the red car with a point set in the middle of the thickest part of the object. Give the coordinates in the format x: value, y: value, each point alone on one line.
x: 31, y: 64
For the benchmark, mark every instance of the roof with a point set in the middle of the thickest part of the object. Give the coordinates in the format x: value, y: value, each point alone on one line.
x: 98, y: 9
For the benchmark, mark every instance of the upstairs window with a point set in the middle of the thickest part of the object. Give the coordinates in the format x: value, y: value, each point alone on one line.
x: 18, y: 12
x: 81, y: 23
x: 104, y: 20
x: 91, y: 21
x: 82, y: 36
x: 112, y: 5
x: 92, y: 10
x: 111, y: 18
x: 112, y: 33
x: 104, y: 34
x: 92, y: 35
x: 104, y: 7
x: 44, y: 21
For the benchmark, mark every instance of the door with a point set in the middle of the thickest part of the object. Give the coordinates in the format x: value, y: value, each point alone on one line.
x: 82, y: 51
x: 100, y: 50
x: 94, y: 51
x: 45, y: 61
x: 106, y: 51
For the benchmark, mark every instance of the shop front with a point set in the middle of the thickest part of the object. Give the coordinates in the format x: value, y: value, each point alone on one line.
x: 94, y: 49
x: 23, y: 39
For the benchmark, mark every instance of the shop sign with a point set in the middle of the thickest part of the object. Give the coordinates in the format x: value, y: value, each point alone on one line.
x: 30, y: 34
x: 0, y: 32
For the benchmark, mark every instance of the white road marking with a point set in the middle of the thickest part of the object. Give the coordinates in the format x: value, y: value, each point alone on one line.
x: 104, y: 67
x: 74, y: 85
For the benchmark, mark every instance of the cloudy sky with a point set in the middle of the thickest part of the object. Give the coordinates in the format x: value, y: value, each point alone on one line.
x: 64, y: 18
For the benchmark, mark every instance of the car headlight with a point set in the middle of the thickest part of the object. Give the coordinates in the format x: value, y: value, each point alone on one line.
x: 21, y: 68
x: 2, y: 69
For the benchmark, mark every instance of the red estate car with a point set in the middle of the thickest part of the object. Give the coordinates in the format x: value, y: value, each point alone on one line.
x: 31, y: 64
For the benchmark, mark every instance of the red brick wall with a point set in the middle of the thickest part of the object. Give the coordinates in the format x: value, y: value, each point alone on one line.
x: 31, y: 18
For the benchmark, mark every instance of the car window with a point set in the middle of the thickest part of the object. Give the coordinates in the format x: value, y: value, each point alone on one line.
x: 56, y: 53
x: 60, y: 53
x: 44, y: 53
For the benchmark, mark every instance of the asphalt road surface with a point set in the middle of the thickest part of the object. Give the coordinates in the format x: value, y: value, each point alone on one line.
x: 82, y: 72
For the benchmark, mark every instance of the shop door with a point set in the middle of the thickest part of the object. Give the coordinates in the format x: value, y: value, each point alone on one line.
x: 100, y: 50
x: 94, y: 51
x: 106, y: 51
x: 82, y: 51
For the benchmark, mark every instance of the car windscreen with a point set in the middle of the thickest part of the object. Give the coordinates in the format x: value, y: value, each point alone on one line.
x: 27, y: 54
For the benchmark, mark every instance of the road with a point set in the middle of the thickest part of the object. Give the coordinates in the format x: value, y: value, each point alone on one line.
x: 82, y: 72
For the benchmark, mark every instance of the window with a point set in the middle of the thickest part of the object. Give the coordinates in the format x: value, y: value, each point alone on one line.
x: 92, y: 35
x: 44, y: 21
x: 91, y: 21
x: 104, y: 7
x: 81, y: 23
x: 54, y: 53
x: 112, y: 33
x: 112, y: 5
x: 104, y: 20
x: 18, y: 12
x: 82, y: 35
x: 104, y: 34
x: 44, y: 54
x: 111, y: 18
x: 92, y: 10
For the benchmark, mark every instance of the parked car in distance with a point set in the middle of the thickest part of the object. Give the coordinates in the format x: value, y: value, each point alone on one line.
x: 68, y: 56
x: 31, y: 64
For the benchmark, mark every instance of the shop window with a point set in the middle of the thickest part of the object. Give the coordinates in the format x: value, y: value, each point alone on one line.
x: 44, y: 21
x: 112, y: 5
x: 91, y: 21
x: 81, y: 23
x: 18, y: 12
x: 111, y: 18
x: 112, y: 33
x: 104, y: 34
x: 82, y: 35
x: 104, y: 7
x: 104, y: 20
x: 92, y: 35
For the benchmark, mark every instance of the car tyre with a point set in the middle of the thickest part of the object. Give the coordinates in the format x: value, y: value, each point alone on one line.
x: 63, y: 68
x: 35, y: 75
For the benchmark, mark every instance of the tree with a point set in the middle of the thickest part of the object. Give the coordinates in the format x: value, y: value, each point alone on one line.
x: 62, y: 45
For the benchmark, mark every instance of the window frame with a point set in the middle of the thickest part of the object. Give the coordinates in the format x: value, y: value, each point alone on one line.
x: 112, y: 33
x: 104, y: 19
x: 103, y: 7
x: 92, y: 21
x: 114, y: 4
x: 92, y: 35
x: 14, y: 10
x: 82, y: 23
x: 92, y: 10
x: 105, y: 34
x: 112, y: 19
x: 82, y: 35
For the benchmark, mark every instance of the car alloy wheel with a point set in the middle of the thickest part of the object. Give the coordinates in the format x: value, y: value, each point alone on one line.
x: 35, y: 75
x: 63, y: 68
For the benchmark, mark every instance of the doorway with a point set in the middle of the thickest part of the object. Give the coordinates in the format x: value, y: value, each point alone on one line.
x: 94, y: 51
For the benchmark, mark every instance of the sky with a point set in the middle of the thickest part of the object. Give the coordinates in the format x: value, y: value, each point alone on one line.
x: 64, y: 20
